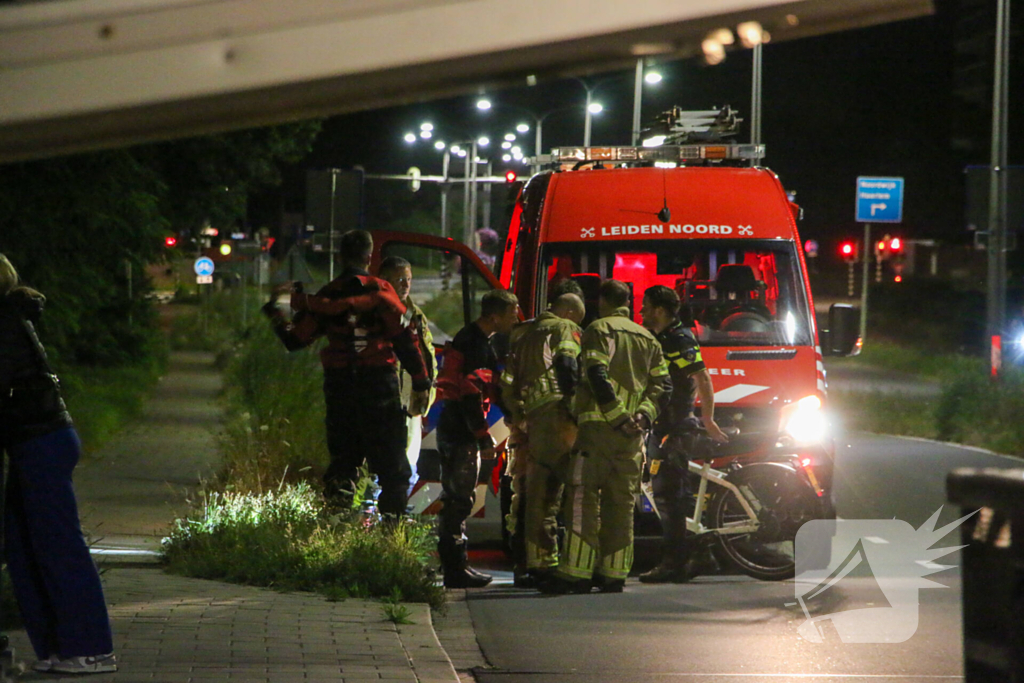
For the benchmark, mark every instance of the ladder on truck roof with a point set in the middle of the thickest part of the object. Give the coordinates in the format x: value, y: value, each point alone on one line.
x: 678, y: 138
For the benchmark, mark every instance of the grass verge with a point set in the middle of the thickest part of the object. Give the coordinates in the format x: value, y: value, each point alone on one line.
x: 970, y: 409
x: 304, y: 547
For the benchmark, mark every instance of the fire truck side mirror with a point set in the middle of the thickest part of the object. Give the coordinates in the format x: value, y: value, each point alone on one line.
x: 843, y: 335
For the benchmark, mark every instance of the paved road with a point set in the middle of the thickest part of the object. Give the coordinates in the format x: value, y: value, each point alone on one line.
x: 733, y: 628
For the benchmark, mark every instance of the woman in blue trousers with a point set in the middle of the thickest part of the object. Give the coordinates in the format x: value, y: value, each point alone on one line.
x: 55, y: 581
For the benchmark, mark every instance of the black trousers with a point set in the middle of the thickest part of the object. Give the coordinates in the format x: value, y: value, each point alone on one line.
x: 674, y: 501
x: 460, y: 468
x: 365, y: 421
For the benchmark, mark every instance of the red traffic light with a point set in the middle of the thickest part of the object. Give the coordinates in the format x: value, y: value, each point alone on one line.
x: 848, y: 250
x: 170, y: 241
x: 510, y: 176
x: 896, y: 244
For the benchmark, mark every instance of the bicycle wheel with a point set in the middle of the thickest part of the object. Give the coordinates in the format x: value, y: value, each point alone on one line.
x: 782, y: 502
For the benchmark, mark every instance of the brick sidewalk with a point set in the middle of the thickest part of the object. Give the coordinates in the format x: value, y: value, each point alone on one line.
x: 174, y: 629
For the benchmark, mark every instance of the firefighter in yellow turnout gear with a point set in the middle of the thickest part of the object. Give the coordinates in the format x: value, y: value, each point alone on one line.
x: 538, y: 384
x: 618, y: 400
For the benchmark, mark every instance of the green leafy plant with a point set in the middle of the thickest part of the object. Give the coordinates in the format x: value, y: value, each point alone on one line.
x: 394, y: 611
x: 303, y: 545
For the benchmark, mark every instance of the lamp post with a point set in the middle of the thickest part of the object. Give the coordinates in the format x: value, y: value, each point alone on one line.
x: 640, y: 77
x: 591, y: 107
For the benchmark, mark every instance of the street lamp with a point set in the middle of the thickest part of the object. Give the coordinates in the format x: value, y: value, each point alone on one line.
x: 651, y: 78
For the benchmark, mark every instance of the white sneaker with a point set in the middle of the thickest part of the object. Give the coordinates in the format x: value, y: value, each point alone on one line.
x: 44, y: 665
x: 85, y: 665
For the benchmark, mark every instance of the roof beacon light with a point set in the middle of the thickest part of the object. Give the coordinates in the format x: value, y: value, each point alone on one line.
x: 678, y: 137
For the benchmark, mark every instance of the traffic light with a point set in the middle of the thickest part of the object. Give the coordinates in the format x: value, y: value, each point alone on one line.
x: 170, y: 241
x: 848, y: 250
x: 225, y: 248
x: 510, y: 176
x: 896, y: 245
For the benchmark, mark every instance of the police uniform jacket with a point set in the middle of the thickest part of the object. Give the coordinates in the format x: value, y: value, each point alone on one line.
x: 682, y: 354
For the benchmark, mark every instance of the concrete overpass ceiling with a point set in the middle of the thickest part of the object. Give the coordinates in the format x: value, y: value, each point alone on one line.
x: 78, y: 75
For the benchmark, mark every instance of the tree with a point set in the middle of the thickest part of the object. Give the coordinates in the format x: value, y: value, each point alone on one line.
x: 72, y: 225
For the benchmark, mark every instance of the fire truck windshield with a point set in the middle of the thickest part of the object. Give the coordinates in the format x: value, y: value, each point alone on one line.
x: 738, y: 292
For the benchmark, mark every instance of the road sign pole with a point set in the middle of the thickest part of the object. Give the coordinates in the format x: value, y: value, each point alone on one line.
x: 864, y: 283
x: 996, y: 313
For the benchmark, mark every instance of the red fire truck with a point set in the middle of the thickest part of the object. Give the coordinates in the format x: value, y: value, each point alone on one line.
x: 703, y: 219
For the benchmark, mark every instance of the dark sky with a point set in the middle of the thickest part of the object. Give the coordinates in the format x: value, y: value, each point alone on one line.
x: 876, y: 101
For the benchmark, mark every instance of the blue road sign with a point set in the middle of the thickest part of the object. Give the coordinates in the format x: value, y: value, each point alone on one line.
x: 879, y: 200
x: 204, y: 266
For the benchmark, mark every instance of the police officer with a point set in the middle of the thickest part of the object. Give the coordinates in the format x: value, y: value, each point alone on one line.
x: 368, y: 332
x: 398, y: 272
x: 538, y: 385
x: 467, y: 384
x: 625, y: 375
x: 674, y: 433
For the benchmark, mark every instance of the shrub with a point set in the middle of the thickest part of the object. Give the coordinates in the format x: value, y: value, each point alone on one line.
x: 275, y: 418
x: 978, y: 411
x: 303, y: 547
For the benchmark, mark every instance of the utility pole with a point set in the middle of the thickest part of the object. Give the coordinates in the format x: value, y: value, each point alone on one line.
x: 638, y: 91
x: 470, y: 234
x: 586, y: 120
x: 466, y: 216
x: 487, y: 198
x: 755, y: 97
x: 334, y: 192
x: 538, y: 138
x: 444, y: 192
x: 996, y: 303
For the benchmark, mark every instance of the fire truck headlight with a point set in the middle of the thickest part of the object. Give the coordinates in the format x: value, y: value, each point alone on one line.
x: 804, y: 421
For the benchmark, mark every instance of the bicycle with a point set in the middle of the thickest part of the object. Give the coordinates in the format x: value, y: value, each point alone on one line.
x: 757, y: 508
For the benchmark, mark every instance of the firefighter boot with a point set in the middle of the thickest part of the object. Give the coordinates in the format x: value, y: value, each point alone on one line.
x: 605, y: 585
